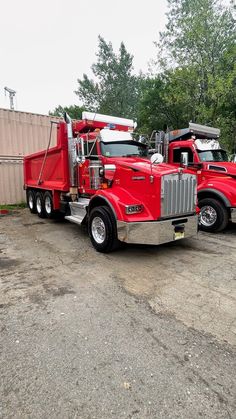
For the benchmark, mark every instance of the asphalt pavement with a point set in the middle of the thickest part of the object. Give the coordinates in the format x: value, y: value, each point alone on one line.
x: 144, y: 332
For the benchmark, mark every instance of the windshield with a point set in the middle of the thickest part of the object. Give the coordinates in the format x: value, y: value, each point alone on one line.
x: 124, y: 149
x: 213, y: 155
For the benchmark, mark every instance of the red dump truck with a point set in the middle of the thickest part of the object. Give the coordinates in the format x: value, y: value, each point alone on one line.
x: 99, y: 175
x: 202, y: 154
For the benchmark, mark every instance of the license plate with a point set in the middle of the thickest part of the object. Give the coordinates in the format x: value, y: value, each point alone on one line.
x: 178, y: 235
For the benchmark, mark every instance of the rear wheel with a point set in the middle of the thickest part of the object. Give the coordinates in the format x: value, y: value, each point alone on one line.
x: 48, y: 205
x: 213, y: 215
x: 39, y: 199
x: 30, y: 196
x: 102, y: 229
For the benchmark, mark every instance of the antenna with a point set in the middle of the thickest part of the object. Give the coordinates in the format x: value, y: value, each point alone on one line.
x: 11, y: 96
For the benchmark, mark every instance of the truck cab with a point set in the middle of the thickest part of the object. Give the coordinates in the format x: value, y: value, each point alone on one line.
x: 215, y: 174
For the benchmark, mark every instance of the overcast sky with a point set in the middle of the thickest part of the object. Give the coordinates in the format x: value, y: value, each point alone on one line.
x: 46, y: 45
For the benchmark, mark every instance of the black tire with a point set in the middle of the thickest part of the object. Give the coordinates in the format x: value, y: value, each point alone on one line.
x: 31, y: 203
x: 105, y: 240
x: 213, y: 215
x: 39, y: 198
x: 48, y: 205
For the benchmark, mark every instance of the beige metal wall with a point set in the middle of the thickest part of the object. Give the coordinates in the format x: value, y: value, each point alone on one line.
x: 11, y: 181
x: 21, y: 133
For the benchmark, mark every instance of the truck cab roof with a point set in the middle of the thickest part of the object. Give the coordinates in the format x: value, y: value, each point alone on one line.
x: 93, y: 121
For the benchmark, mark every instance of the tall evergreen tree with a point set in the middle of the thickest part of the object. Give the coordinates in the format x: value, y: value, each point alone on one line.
x: 114, y: 89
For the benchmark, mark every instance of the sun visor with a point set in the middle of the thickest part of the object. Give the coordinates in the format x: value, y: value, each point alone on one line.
x: 205, y: 144
x: 111, y: 135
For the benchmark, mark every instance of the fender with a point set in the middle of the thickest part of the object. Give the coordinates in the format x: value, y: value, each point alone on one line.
x: 100, y: 199
x: 216, y: 193
x: 222, y: 187
x: 116, y: 201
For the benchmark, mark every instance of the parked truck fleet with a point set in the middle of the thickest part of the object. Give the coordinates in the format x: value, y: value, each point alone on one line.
x: 100, y: 176
x: 126, y: 190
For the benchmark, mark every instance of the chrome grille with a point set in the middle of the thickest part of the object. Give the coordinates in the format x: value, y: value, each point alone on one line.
x: 178, y: 194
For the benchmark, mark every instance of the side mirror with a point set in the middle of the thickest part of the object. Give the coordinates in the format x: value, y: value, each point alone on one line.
x: 157, y: 158
x: 184, y: 159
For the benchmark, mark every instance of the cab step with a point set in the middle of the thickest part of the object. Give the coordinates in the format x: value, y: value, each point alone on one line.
x: 78, y: 210
x: 74, y: 219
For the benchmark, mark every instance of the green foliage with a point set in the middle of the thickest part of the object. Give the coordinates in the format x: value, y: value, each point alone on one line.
x: 74, y: 111
x: 167, y: 100
x: 198, y: 32
x: 13, y: 206
x: 197, y: 58
x: 195, y: 81
x: 116, y: 89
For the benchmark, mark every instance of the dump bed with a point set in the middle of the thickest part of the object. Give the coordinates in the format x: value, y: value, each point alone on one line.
x: 49, y: 169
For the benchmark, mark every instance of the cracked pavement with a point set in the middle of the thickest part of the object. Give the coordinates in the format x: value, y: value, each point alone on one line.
x: 145, y: 332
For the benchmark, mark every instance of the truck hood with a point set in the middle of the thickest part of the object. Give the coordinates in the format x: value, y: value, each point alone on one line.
x: 144, y: 166
x: 226, y: 168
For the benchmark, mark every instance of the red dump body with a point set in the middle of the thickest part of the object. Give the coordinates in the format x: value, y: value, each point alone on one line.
x: 54, y: 174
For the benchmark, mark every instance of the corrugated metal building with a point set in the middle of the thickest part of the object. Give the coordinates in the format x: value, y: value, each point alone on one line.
x: 21, y: 133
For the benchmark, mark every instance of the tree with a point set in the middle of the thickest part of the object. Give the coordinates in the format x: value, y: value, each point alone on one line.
x: 198, y: 61
x: 165, y: 100
x: 198, y: 32
x: 114, y: 89
x: 74, y: 111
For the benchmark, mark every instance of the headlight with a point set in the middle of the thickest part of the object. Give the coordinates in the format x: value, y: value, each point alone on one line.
x: 133, y: 209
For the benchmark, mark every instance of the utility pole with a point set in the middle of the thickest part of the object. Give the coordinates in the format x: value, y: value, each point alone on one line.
x: 11, y: 96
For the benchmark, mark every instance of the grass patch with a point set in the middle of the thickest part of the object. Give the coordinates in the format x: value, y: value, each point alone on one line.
x: 13, y: 206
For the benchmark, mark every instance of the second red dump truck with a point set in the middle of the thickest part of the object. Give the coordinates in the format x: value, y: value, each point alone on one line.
x: 216, y: 176
x: 98, y: 174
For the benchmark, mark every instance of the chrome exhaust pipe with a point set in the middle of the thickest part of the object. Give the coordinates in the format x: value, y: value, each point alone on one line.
x: 71, y: 151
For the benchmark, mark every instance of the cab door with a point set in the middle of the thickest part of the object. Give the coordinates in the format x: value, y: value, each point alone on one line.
x: 193, y: 161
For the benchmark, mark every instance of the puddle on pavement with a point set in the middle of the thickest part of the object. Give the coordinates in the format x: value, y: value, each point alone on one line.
x: 6, y: 263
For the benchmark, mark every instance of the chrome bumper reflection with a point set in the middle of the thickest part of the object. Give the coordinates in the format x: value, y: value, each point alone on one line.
x: 157, y: 232
x: 233, y: 215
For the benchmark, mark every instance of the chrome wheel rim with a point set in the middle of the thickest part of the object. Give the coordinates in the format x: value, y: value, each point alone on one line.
x: 48, y: 205
x: 98, y: 230
x: 39, y: 205
x: 208, y: 216
x: 31, y: 201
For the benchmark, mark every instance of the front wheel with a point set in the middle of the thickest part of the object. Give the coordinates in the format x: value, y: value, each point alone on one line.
x: 102, y: 229
x: 213, y: 215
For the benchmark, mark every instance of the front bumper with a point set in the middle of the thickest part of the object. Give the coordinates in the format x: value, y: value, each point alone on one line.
x: 233, y: 215
x: 157, y: 232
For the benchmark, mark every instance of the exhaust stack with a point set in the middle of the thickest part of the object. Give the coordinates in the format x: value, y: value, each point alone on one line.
x: 72, y: 153
x: 162, y: 144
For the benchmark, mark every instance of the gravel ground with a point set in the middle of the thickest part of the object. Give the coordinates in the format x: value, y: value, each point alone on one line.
x: 145, y: 332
